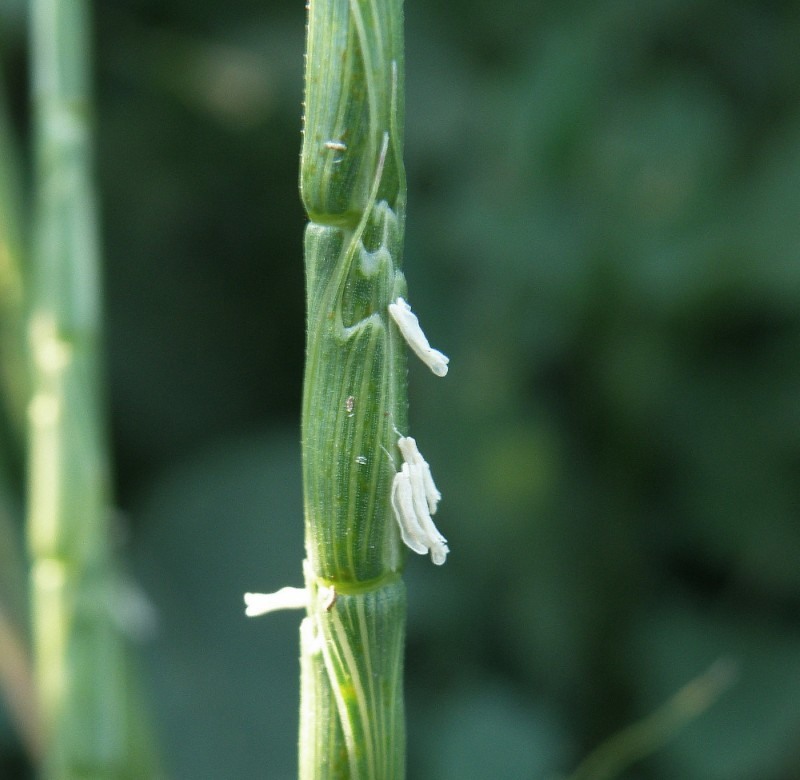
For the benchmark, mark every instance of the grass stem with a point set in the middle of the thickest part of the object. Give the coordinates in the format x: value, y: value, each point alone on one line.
x: 353, y: 189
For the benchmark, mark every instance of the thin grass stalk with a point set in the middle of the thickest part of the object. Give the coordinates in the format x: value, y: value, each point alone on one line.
x: 90, y: 722
x: 354, y: 404
x: 648, y: 735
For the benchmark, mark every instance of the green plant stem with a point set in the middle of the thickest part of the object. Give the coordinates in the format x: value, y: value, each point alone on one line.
x: 353, y: 189
x: 89, y: 721
x: 647, y: 735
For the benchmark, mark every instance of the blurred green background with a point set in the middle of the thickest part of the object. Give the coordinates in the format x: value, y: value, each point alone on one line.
x: 604, y: 235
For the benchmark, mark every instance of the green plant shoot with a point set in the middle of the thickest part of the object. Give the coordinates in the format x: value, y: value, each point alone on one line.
x: 366, y: 486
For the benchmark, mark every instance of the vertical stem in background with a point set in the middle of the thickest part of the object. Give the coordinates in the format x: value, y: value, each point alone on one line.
x: 80, y: 662
x: 353, y: 189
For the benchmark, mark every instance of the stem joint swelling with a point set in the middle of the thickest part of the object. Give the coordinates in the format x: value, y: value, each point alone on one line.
x: 352, y: 653
x: 360, y: 505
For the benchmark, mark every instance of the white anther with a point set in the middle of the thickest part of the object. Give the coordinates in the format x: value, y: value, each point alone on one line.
x: 403, y: 506
x: 285, y: 598
x: 335, y: 146
x: 412, y: 332
x: 411, y: 455
x: 414, y: 499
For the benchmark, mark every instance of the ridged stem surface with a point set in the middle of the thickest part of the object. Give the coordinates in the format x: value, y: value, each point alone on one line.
x: 353, y: 189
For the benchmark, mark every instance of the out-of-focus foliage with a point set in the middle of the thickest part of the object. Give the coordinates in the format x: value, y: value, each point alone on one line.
x: 604, y: 235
